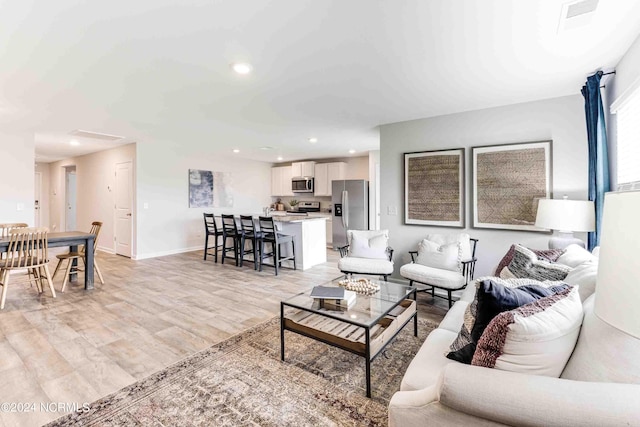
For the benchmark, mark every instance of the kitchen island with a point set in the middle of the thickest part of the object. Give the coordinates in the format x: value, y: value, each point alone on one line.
x: 309, y: 238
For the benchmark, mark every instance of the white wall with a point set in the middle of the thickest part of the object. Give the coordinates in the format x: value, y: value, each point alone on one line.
x: 169, y: 225
x: 16, y: 178
x: 95, y: 174
x: 560, y: 119
x: 627, y: 74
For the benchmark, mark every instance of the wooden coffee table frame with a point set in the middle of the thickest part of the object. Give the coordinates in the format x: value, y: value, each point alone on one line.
x: 385, y: 328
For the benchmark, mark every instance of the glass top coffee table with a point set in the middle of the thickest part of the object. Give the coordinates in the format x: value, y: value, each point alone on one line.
x: 365, y: 328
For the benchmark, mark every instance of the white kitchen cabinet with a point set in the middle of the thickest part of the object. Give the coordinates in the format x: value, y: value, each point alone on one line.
x: 302, y: 169
x: 325, y: 173
x: 281, y: 181
x: 321, y: 183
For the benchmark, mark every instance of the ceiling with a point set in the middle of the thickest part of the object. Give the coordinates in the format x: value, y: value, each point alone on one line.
x: 159, y: 70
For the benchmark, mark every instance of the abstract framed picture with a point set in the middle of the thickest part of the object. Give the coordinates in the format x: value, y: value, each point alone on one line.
x: 434, y: 188
x: 200, y: 188
x: 508, y: 181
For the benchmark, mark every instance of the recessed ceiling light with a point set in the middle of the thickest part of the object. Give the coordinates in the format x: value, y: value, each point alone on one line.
x: 242, y: 67
x: 313, y: 140
x: 235, y: 150
x: 352, y: 151
x: 74, y: 142
x: 280, y: 158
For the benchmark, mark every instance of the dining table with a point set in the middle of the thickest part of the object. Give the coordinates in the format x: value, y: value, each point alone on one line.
x: 72, y: 239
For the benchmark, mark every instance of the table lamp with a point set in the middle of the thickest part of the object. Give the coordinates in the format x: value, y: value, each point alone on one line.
x: 618, y: 283
x: 565, y: 216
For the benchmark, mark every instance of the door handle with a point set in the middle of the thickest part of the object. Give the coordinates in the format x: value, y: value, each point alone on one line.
x: 128, y: 214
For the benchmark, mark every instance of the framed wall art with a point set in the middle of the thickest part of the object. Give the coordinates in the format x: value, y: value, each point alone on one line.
x: 200, y: 188
x: 508, y: 181
x: 209, y: 189
x: 434, y: 188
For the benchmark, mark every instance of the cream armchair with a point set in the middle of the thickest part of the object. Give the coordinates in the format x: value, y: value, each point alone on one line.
x: 367, y: 252
x: 443, y: 261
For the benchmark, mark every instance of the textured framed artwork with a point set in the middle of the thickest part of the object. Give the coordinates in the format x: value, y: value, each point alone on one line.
x: 200, y: 188
x: 434, y: 188
x: 209, y: 189
x: 508, y: 181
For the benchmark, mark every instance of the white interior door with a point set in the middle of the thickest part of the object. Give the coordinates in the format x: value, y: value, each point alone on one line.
x: 124, y: 208
x: 71, y: 196
x: 37, y: 198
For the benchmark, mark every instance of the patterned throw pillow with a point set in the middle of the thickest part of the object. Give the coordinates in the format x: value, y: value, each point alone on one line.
x: 525, y: 263
x: 536, y: 338
x: 463, y: 346
x: 550, y: 255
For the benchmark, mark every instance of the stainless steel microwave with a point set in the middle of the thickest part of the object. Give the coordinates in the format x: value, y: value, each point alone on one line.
x: 302, y: 185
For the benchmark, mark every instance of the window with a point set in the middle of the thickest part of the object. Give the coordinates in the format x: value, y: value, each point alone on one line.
x: 627, y: 109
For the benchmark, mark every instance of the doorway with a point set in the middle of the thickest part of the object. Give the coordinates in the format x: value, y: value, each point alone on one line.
x: 124, y: 208
x: 71, y: 195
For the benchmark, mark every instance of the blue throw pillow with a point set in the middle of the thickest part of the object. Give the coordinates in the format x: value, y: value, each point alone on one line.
x: 494, y: 298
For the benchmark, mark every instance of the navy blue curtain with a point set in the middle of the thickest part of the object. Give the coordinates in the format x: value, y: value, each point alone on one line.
x: 598, y: 153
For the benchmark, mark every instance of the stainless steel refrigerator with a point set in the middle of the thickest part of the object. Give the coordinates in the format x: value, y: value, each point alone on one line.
x: 350, y: 199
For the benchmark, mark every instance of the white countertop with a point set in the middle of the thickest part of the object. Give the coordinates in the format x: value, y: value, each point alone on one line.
x: 298, y: 218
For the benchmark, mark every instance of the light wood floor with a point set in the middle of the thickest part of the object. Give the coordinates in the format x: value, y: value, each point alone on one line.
x: 149, y: 314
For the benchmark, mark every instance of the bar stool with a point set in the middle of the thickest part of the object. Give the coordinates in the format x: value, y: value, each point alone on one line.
x: 230, y: 231
x: 249, y: 232
x: 271, y: 235
x: 211, y: 229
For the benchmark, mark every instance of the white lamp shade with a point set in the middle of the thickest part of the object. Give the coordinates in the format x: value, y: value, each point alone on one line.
x: 566, y: 215
x: 618, y: 283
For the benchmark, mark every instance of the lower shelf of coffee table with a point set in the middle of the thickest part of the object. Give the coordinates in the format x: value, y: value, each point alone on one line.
x: 348, y: 336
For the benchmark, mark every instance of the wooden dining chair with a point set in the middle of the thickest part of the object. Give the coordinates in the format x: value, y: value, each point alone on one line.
x: 4, y: 228
x: 28, y: 250
x: 71, y: 256
x: 4, y: 231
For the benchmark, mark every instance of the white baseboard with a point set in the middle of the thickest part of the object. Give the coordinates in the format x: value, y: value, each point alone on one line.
x: 165, y: 253
x: 107, y: 250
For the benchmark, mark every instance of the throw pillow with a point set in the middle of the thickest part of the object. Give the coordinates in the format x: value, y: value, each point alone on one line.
x: 536, y: 338
x: 462, y: 238
x: 464, y: 336
x: 434, y: 255
x: 507, y: 274
x: 525, y: 263
x: 584, y: 276
x: 374, y: 247
x: 493, y: 298
x: 575, y: 255
x: 550, y: 255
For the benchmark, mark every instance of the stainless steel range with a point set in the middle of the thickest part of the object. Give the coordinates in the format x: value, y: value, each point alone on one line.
x: 304, y: 208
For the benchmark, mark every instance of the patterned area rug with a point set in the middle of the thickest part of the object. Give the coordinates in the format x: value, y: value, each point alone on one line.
x: 242, y: 381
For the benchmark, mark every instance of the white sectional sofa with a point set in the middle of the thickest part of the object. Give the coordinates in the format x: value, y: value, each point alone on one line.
x: 600, y: 384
